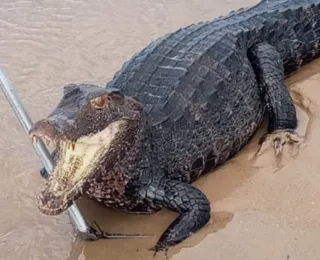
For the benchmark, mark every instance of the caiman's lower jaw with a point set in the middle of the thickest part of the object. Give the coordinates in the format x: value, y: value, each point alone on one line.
x: 74, y: 167
x: 49, y: 204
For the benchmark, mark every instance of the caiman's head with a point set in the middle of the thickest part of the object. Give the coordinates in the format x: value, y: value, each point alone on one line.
x: 90, y: 124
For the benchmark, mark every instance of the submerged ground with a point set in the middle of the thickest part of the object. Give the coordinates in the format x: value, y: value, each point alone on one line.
x: 262, y: 208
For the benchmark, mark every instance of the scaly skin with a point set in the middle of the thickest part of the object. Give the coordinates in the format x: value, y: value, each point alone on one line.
x: 204, y: 91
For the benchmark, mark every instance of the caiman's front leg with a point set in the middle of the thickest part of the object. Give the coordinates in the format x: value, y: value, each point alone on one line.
x: 191, y: 204
x: 267, y: 64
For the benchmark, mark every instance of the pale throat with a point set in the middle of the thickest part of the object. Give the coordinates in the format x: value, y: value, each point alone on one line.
x: 78, y: 160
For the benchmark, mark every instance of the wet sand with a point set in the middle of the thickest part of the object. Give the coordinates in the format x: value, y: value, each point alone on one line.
x: 262, y: 207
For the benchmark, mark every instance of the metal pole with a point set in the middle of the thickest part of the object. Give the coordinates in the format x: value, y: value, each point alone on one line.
x: 76, y: 217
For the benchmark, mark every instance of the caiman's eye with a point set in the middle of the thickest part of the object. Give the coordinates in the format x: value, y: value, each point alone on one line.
x: 100, y: 102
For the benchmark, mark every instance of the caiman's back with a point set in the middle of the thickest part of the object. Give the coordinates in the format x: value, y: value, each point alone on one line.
x: 199, y: 88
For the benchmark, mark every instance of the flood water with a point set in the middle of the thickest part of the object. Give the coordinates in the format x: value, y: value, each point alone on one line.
x: 262, y: 207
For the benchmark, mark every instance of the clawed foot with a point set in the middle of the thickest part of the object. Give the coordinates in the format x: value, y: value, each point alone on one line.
x: 278, y: 139
x: 160, y: 247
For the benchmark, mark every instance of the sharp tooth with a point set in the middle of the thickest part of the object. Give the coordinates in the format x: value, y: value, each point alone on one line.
x: 69, y: 146
x: 73, y: 146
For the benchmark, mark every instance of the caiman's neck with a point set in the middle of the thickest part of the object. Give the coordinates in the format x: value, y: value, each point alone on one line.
x: 139, y: 152
x: 128, y: 151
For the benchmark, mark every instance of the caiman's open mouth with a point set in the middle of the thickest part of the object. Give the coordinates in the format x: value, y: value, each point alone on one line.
x: 76, y: 163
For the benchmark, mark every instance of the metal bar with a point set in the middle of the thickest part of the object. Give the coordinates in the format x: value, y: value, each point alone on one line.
x: 76, y: 217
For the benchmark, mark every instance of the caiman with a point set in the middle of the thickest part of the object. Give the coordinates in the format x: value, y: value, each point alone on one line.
x: 185, y: 104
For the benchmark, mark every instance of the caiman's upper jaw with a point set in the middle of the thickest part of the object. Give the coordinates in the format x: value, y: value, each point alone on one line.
x: 44, y: 130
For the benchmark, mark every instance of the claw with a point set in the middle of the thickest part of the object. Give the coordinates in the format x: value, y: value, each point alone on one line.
x: 278, y: 139
x: 159, y: 247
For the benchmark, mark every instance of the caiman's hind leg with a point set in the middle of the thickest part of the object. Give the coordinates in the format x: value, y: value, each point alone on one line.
x: 191, y: 204
x: 267, y: 64
x: 278, y: 138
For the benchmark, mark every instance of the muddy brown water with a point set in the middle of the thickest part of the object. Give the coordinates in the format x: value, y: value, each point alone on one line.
x: 262, y: 207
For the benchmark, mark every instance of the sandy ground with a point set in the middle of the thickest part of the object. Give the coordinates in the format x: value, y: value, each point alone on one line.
x: 262, y: 207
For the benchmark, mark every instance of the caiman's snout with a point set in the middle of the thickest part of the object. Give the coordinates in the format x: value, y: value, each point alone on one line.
x: 43, y: 129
